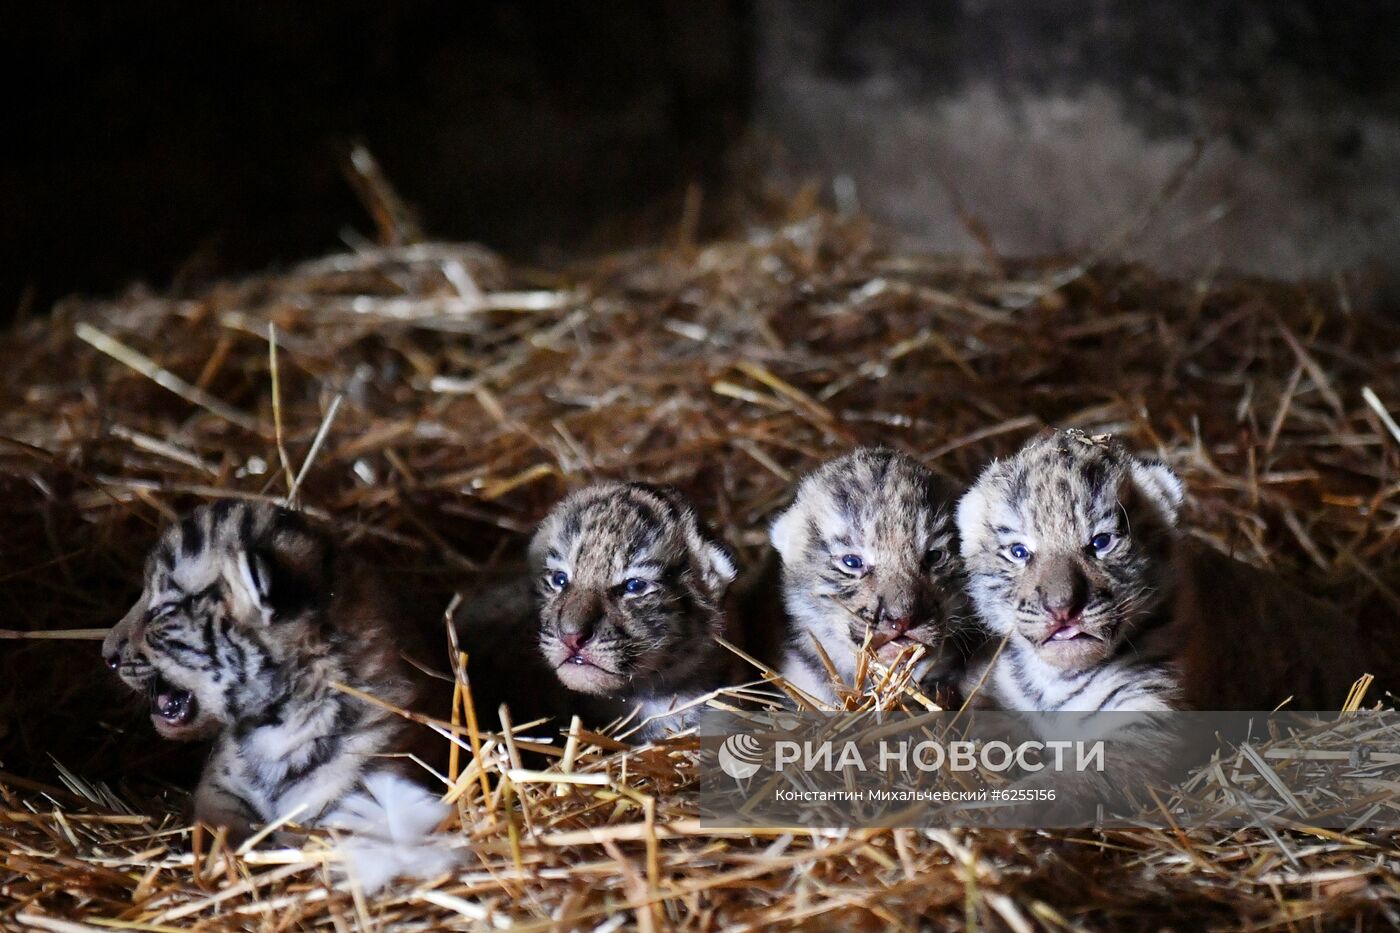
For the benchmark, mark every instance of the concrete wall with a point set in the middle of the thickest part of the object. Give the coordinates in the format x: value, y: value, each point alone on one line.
x: 1057, y: 123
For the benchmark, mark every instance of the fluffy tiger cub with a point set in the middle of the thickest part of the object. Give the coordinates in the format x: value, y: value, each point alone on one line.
x: 629, y: 593
x: 1074, y: 556
x: 249, y: 615
x: 868, y: 548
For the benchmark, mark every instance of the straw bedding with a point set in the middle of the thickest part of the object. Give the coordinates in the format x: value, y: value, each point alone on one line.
x: 434, y: 401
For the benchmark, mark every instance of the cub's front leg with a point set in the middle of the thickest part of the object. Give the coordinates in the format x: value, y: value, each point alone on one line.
x: 943, y: 688
x: 1139, y: 750
x: 219, y: 803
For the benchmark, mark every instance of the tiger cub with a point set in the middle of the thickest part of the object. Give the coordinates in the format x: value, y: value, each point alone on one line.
x: 629, y: 594
x: 249, y: 615
x: 1074, y: 557
x: 869, y: 548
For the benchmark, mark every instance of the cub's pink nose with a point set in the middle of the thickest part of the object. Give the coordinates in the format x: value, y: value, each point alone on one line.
x: 575, y: 641
x: 900, y: 626
x: 1068, y: 615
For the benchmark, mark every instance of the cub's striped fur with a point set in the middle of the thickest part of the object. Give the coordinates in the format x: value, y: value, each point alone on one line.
x: 249, y: 614
x: 1074, y: 557
x: 630, y: 586
x: 869, y: 547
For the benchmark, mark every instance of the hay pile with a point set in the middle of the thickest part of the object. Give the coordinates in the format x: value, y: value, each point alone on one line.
x: 434, y: 402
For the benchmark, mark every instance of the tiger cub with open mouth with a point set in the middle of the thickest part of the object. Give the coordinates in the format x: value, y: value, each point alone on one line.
x: 249, y: 617
x: 868, y: 549
x: 630, y: 587
x: 1074, y: 557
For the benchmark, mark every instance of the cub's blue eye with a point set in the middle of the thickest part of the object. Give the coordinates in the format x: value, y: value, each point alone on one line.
x: 935, y: 556
x: 559, y: 579
x: 1101, y: 542
x: 1019, y: 553
x: 852, y: 561
x: 635, y: 586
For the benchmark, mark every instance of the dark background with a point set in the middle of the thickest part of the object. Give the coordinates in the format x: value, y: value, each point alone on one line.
x: 161, y: 139
x: 171, y: 142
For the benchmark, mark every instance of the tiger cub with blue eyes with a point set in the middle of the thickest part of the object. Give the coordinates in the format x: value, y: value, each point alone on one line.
x: 249, y: 617
x: 1074, y: 557
x: 629, y: 588
x: 868, y: 548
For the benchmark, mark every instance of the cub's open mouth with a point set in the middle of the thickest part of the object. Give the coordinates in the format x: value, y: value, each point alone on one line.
x: 1069, y: 633
x: 170, y: 704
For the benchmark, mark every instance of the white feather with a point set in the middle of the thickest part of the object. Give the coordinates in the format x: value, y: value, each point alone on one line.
x: 391, y: 822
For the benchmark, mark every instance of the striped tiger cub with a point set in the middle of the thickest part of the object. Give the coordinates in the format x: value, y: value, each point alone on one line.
x: 869, y: 551
x: 630, y: 588
x: 250, y: 614
x: 1074, y: 557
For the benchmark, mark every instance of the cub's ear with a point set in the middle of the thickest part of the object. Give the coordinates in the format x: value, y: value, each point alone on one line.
x: 972, y: 519
x: 538, y: 547
x: 1162, y: 487
x: 255, y: 572
x: 785, y: 532
x: 287, y: 574
x: 716, y: 565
